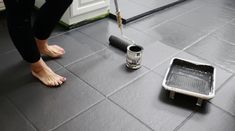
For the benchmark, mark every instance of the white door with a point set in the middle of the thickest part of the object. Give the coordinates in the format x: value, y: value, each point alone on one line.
x: 80, y: 7
x: 2, y: 7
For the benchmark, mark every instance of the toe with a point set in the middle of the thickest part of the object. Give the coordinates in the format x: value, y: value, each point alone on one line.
x: 63, y: 79
x: 57, y: 83
x: 59, y: 48
x: 49, y: 83
x: 60, y: 82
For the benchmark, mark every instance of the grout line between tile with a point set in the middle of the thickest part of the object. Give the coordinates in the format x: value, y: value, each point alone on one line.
x: 64, y: 67
x: 62, y: 33
x: 228, y: 113
x: 193, y: 113
x: 168, y: 58
x: 106, y: 97
x: 168, y: 20
x: 74, y: 29
x: 226, y: 7
x: 104, y: 44
x: 131, y: 114
x: 224, y: 68
x: 227, y: 41
x: 75, y: 116
x: 225, y: 82
x: 83, y: 57
x: 6, y: 52
x: 209, y: 33
x: 232, y: 23
x: 162, y: 76
x: 86, y: 82
x: 199, y: 39
x: 211, y: 62
x: 184, y: 121
x: 22, y: 114
x: 203, y: 37
x: 128, y: 83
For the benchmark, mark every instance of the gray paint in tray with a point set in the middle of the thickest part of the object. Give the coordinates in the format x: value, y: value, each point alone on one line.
x: 190, y: 77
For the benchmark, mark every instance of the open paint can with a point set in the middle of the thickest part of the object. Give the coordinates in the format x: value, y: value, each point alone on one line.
x: 134, y: 56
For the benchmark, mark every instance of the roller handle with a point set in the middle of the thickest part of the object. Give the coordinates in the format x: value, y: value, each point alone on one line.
x: 118, y: 16
x: 116, y: 5
x: 118, y: 43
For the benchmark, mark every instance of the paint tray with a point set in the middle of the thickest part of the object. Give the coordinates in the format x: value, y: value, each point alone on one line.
x: 190, y: 78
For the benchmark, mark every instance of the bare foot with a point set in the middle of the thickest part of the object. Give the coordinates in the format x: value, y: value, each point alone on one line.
x: 41, y: 71
x: 53, y: 51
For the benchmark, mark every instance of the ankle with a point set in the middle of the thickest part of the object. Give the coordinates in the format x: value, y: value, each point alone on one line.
x: 38, y: 66
x: 42, y: 44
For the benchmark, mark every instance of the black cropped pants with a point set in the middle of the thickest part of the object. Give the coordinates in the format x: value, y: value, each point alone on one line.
x: 23, y: 32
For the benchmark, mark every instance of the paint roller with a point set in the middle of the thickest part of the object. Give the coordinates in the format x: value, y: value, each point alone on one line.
x: 115, y: 41
x: 134, y: 52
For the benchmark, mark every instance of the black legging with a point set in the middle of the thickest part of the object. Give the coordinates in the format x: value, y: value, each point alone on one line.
x: 19, y: 24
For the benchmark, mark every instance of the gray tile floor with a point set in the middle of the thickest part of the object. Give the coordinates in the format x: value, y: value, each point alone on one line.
x: 140, y: 8
x: 102, y: 95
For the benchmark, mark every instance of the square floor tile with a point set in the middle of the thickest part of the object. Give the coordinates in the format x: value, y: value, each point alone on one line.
x: 104, y: 117
x: 14, y: 72
x: 11, y: 119
x: 156, y: 53
x: 146, y: 99
x: 154, y: 4
x: 138, y: 37
x: 214, y: 120
x: 102, y: 30
x: 175, y: 35
x: 226, y: 33
x: 140, y: 8
x: 194, y: 4
x: 6, y: 43
x: 165, y: 15
x: 128, y: 8
x: 158, y: 17
x: 105, y: 71
x: 215, y: 51
x: 227, y: 3
x: 221, y: 75
x: 76, y: 45
x: 219, y: 12
x: 233, y: 22
x: 47, y: 107
x: 58, y: 30
x: 2, y: 18
x: 206, y: 18
x: 225, y: 97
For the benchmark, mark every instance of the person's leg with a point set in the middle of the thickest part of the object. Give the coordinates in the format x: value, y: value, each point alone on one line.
x: 49, y: 14
x: 19, y: 26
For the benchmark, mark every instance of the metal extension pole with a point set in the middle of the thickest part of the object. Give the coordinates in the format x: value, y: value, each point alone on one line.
x: 119, y: 21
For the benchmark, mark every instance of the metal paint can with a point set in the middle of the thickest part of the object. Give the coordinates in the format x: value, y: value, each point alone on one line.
x: 134, y: 56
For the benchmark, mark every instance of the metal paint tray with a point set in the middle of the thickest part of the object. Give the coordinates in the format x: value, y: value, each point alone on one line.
x: 190, y: 78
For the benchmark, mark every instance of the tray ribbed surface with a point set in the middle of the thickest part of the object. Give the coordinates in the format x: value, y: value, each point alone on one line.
x: 189, y: 79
